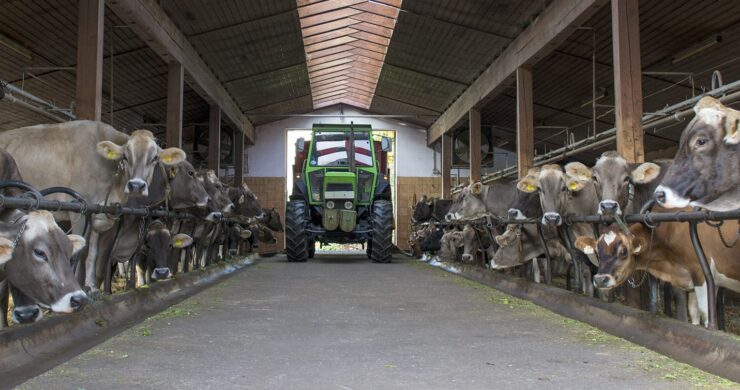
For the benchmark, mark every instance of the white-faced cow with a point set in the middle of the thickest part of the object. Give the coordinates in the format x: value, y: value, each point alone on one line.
x: 706, y: 168
x: 669, y: 257
x: 102, y: 164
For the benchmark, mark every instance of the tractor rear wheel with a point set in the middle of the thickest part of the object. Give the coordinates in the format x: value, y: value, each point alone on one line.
x: 382, y: 245
x: 295, y: 233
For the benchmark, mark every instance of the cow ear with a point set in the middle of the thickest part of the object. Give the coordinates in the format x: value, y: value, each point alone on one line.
x: 645, y: 173
x: 245, y: 233
x: 578, y: 171
x: 78, y: 242
x: 172, y: 156
x: 6, y: 250
x: 639, y: 245
x: 476, y: 188
x: 528, y: 185
x: 587, y: 245
x: 110, y: 151
x: 241, y: 199
x: 732, y: 135
x: 534, y: 171
x: 575, y: 185
x: 181, y: 240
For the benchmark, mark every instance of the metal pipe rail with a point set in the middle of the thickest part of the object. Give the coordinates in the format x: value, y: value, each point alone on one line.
x: 649, y: 218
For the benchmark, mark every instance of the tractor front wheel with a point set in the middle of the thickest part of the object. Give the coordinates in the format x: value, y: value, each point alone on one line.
x: 381, y: 243
x: 295, y: 234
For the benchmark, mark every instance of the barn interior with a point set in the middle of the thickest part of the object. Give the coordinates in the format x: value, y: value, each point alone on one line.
x: 471, y: 90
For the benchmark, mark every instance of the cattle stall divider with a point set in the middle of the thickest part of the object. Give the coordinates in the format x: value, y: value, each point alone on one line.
x: 650, y: 219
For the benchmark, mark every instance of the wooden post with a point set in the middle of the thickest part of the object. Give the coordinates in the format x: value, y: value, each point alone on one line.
x: 90, y: 59
x: 627, y: 79
x: 446, y: 165
x: 238, y: 158
x: 175, y: 78
x: 474, y: 143
x: 524, y: 121
x: 214, y: 138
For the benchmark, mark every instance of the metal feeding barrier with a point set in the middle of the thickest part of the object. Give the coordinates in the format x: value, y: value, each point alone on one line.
x: 650, y: 219
x: 33, y: 199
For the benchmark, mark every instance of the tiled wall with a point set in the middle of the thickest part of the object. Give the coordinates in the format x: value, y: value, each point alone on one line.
x: 406, y: 187
x: 270, y: 193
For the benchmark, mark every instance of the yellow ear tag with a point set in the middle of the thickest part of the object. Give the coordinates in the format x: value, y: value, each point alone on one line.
x: 111, y: 155
x: 573, y: 186
x: 178, y: 242
x: 530, y: 188
x: 167, y: 159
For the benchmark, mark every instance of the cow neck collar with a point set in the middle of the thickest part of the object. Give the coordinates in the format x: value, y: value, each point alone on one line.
x: 19, y: 235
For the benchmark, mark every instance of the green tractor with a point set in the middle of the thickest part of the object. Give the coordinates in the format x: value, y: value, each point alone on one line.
x: 341, y: 193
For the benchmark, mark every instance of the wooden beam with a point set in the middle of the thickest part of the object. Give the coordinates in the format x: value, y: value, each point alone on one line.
x: 151, y: 23
x: 89, y: 95
x: 214, y: 138
x: 627, y: 79
x: 238, y: 158
x: 446, y: 166
x: 475, y: 145
x: 175, y: 87
x: 543, y: 35
x: 524, y: 121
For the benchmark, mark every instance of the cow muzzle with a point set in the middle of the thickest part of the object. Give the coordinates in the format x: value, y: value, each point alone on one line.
x: 609, y: 207
x: 552, y: 219
x: 213, y: 216
x: 137, y: 187
x: 604, y: 281
x: 161, y: 273
x: 467, y: 257
x: 70, y: 302
x: 516, y: 214
x: 26, y: 314
x: 203, y: 203
x: 666, y: 197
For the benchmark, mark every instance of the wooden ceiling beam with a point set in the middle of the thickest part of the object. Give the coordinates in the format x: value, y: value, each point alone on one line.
x: 152, y: 25
x: 330, y: 43
x: 329, y: 81
x: 378, y: 9
x: 331, y: 26
x: 328, y: 17
x: 329, y: 58
x: 558, y: 21
x: 325, y: 6
x: 329, y: 35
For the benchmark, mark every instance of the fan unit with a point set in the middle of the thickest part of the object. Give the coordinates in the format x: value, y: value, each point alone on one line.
x: 461, y: 149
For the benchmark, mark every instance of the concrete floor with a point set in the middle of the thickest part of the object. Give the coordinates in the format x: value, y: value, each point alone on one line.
x: 341, y: 322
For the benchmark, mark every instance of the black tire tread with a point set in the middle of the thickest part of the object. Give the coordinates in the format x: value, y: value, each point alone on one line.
x: 295, y: 233
x: 382, y: 236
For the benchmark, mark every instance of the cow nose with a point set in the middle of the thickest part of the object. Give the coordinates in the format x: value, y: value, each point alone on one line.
x: 659, y: 196
x: 77, y: 301
x: 552, y: 218
x: 601, y: 281
x: 161, y: 273
x: 608, y: 207
x: 26, y: 314
x: 448, y: 217
x: 467, y: 257
x: 136, y: 186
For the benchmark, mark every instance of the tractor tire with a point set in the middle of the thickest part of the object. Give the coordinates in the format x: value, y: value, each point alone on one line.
x: 382, y: 244
x: 295, y: 233
x: 311, y: 249
x: 369, y: 248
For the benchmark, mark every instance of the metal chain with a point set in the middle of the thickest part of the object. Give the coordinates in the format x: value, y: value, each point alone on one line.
x: 630, y: 280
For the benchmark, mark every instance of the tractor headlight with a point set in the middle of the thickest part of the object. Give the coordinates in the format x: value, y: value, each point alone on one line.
x: 364, y: 186
x: 330, y: 204
x: 316, y: 182
x: 348, y: 205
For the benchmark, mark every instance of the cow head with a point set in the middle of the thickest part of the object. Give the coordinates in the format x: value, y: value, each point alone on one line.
x: 422, y: 210
x: 38, y: 265
x: 509, y: 253
x: 706, y: 169
x: 139, y: 156
x: 185, y: 188
x: 159, y: 242
x: 616, y: 252
x: 555, y: 190
x: 219, y: 202
x: 471, y: 244
x: 612, y: 177
x: 271, y: 219
x: 450, y: 242
x: 245, y: 202
x: 470, y: 203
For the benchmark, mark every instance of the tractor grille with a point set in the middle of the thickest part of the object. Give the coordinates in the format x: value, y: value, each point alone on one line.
x: 338, y: 187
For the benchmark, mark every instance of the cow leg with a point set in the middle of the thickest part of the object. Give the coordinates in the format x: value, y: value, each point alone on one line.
x: 693, y: 309
x: 588, y: 286
x: 536, y: 270
x: 140, y: 271
x: 680, y: 297
x: 4, y: 304
x: 702, y: 301
x: 91, y: 280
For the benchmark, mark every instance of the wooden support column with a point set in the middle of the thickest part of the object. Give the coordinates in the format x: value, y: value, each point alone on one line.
x: 90, y: 59
x: 627, y: 79
x: 446, y: 165
x: 474, y: 143
x: 238, y: 158
x: 175, y: 79
x: 214, y: 138
x: 524, y: 121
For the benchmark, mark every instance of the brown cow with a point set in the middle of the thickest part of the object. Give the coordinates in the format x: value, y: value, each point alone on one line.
x: 669, y: 257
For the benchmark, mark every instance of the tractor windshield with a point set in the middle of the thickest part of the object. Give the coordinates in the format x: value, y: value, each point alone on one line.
x: 331, y: 149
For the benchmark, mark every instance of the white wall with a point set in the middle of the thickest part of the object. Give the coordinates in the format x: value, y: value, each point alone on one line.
x: 267, y: 157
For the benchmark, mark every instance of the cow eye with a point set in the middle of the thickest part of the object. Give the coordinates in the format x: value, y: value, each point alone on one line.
x: 40, y: 255
x: 191, y: 173
x: 596, y: 179
x: 626, y: 179
x: 154, y: 159
x: 623, y: 252
x: 700, y: 142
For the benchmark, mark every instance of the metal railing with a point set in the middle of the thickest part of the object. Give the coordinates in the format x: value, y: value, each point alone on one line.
x: 650, y: 219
